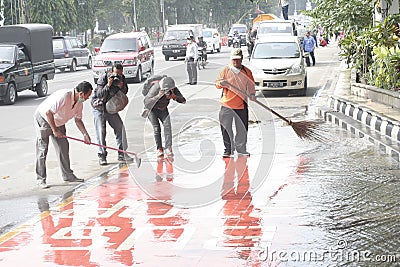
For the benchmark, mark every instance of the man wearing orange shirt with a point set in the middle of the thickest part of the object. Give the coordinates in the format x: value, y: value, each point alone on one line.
x: 237, y: 84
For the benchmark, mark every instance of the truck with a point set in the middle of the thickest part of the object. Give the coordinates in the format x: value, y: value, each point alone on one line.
x: 26, y: 60
x: 174, y: 42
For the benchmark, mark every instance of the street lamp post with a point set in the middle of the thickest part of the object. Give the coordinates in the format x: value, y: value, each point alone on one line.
x: 134, y: 15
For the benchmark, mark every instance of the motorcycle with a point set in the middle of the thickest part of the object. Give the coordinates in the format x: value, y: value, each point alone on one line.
x: 201, y: 61
x: 236, y: 41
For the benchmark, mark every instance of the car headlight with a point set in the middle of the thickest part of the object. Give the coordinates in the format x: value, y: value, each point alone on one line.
x: 256, y: 70
x: 296, y: 68
x: 129, y: 62
x: 165, y: 46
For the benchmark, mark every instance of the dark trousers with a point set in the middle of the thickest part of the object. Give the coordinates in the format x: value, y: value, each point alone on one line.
x: 241, y: 118
x: 285, y: 12
x: 308, y: 59
x: 155, y: 116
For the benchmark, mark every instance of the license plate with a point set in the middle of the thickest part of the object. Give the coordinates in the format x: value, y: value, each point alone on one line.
x: 175, y: 51
x: 274, y: 84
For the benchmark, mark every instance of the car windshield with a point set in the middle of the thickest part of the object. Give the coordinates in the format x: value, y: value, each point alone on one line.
x: 276, y: 50
x: 7, y: 54
x: 241, y: 29
x: 207, y: 34
x: 176, y: 35
x: 281, y: 28
x: 118, y: 45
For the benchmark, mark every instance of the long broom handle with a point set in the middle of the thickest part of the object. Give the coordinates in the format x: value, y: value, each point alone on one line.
x: 103, y: 146
x: 237, y: 90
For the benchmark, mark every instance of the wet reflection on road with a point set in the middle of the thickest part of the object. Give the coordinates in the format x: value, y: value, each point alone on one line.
x: 322, y: 204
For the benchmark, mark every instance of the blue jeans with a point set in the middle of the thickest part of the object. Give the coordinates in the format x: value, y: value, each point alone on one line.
x: 155, y: 116
x: 285, y: 12
x: 114, y: 120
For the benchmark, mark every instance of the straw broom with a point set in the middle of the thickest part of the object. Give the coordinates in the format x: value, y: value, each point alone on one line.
x: 305, y: 130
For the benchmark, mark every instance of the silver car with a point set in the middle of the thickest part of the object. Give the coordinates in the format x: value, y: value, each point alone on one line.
x: 277, y: 63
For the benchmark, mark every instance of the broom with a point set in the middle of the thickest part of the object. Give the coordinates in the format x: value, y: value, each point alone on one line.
x: 305, y: 130
x: 138, y: 160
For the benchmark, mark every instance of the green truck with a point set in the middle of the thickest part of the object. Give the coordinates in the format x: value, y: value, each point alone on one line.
x: 26, y: 60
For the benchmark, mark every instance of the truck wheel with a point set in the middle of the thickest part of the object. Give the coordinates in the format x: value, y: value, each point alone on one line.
x: 72, y: 68
x: 11, y: 95
x: 138, y: 77
x: 166, y: 58
x: 42, y: 88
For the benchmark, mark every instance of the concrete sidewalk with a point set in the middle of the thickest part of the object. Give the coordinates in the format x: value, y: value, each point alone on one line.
x: 359, y: 115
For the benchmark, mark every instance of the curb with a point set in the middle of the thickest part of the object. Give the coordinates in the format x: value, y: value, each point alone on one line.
x: 363, y: 122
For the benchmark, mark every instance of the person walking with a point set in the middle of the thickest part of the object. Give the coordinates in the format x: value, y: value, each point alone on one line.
x: 107, y: 86
x: 285, y: 8
x: 309, y: 45
x: 50, y: 118
x: 156, y: 101
x: 237, y: 83
x: 192, y: 55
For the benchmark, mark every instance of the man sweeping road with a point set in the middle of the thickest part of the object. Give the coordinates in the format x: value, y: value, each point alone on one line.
x: 50, y: 119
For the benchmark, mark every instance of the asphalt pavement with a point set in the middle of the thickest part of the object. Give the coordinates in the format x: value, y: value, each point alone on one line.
x: 197, y: 209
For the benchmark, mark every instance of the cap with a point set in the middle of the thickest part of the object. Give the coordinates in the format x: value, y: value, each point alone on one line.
x: 236, y: 53
x: 167, y: 83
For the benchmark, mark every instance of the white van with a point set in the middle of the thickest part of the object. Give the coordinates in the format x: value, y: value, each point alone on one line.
x: 213, y: 39
x: 277, y: 64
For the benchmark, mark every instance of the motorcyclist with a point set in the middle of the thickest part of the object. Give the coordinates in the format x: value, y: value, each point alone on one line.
x: 202, y: 48
x: 236, y: 37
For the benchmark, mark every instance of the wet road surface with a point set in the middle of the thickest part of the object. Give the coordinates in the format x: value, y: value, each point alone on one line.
x: 331, y: 204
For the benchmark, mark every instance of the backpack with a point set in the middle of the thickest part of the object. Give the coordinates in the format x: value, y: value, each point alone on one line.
x: 150, y: 82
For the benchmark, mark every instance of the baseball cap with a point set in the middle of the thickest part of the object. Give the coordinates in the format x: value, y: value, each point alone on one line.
x: 167, y: 83
x: 236, y: 53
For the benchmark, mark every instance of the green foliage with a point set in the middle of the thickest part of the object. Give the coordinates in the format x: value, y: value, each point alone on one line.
x: 359, y: 50
x: 385, y: 69
x: 347, y: 15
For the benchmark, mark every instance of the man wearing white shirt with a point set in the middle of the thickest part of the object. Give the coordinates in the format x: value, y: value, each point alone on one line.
x: 192, y: 55
x: 50, y: 119
x: 285, y: 8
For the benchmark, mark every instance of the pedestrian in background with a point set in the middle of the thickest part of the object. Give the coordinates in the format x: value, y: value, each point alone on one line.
x: 156, y: 100
x: 309, y: 45
x: 192, y: 55
x: 50, y: 119
x: 285, y: 8
x: 107, y: 86
x: 234, y: 103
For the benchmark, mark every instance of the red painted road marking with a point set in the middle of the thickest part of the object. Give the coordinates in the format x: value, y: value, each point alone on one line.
x: 116, y: 224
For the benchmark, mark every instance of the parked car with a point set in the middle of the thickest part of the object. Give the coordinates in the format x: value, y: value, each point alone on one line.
x: 277, y: 63
x: 242, y: 30
x: 132, y: 49
x: 26, y: 60
x: 70, y: 53
x: 213, y: 39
